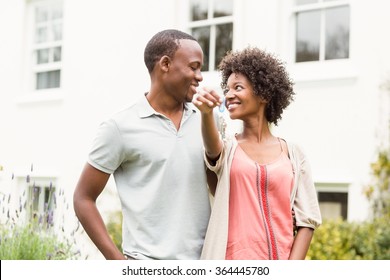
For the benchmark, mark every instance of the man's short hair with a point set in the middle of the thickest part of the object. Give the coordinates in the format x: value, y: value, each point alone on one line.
x: 165, y: 42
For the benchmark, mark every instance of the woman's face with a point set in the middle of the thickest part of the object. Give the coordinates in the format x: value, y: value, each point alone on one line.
x: 241, y: 102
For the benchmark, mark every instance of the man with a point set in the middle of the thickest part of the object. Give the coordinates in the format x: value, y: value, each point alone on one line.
x: 154, y: 151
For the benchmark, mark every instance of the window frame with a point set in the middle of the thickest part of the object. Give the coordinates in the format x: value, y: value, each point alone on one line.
x: 322, y: 6
x: 43, y: 186
x: 334, y: 188
x: 23, y: 191
x: 49, y: 44
x: 212, y: 23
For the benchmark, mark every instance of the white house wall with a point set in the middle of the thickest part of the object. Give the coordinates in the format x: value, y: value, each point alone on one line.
x: 338, y: 115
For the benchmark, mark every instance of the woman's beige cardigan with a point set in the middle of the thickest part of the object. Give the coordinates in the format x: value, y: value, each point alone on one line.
x: 303, y: 199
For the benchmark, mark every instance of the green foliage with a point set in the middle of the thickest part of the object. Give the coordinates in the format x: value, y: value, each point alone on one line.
x: 341, y: 240
x: 114, y: 228
x: 378, y: 193
x: 383, y: 239
x: 25, y: 243
x: 331, y: 241
x: 27, y: 234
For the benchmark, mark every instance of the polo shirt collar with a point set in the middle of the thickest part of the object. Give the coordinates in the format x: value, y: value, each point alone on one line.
x: 145, y: 110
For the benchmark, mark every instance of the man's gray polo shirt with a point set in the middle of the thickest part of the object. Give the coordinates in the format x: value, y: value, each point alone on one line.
x: 160, y: 178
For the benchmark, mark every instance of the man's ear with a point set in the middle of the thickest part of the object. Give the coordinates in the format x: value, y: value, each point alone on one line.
x: 164, y: 63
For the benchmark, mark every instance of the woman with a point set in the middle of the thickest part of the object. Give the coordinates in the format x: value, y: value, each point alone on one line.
x: 261, y: 177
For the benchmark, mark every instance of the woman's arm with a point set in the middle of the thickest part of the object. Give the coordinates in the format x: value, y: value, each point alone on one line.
x: 301, y: 243
x: 206, y: 100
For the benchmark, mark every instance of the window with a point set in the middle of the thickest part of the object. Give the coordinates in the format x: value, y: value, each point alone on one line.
x: 211, y: 23
x: 333, y: 200
x: 47, y: 44
x: 333, y: 205
x: 41, y: 201
x: 322, y: 30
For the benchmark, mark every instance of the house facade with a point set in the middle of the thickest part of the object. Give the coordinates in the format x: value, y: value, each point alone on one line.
x: 67, y: 65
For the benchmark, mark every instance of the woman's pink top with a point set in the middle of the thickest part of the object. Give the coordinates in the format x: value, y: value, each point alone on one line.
x: 260, y: 219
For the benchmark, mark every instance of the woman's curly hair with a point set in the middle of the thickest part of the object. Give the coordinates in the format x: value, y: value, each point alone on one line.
x: 267, y: 75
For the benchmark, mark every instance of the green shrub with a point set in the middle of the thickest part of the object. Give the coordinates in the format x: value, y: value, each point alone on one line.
x: 370, y: 240
x: 26, y: 243
x: 27, y: 234
x: 331, y: 241
x: 341, y: 240
x: 114, y: 228
x: 380, y: 242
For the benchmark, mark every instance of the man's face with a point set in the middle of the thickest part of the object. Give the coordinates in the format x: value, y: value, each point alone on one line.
x: 185, y: 73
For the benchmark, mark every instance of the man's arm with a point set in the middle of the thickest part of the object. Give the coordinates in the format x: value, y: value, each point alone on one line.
x: 90, y: 185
